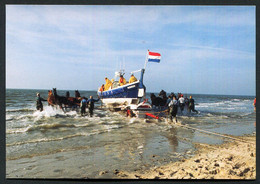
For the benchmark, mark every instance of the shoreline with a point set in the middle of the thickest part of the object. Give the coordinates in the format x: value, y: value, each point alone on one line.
x: 230, y: 160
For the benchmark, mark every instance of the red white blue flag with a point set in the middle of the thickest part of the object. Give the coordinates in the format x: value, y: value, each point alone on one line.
x: 154, y: 57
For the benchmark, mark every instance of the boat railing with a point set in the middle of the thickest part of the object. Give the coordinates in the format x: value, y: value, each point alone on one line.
x: 136, y: 71
x: 116, y: 84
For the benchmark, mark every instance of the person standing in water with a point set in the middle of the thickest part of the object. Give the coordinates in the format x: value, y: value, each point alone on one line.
x: 39, y: 100
x: 192, y: 105
x: 182, y: 104
x: 173, y: 106
x: 83, y: 105
x: 90, y: 103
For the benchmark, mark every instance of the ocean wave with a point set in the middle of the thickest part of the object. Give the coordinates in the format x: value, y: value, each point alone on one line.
x: 18, y: 130
x: 45, y: 127
x: 85, y: 125
x: 248, y: 114
x: 39, y: 127
x: 12, y: 116
x: 50, y: 126
x: 20, y: 110
x: 21, y: 117
x: 110, y: 127
x: 226, y: 106
x: 37, y: 115
x: 8, y: 118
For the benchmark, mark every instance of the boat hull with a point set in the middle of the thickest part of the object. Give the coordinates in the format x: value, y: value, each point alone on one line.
x: 123, y: 95
x: 118, y: 102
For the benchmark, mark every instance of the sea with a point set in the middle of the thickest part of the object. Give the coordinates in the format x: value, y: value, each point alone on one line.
x: 53, y: 144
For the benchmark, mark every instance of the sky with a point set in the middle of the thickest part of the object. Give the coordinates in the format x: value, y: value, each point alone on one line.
x: 204, y: 49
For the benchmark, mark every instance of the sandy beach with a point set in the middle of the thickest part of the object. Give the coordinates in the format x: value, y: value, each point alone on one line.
x: 231, y: 160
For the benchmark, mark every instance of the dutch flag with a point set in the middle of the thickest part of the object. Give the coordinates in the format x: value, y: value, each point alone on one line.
x: 154, y: 57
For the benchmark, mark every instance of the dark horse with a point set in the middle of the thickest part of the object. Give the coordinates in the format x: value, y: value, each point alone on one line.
x: 73, y: 102
x: 65, y: 101
x: 59, y: 100
x: 77, y: 94
x: 159, y: 101
x: 164, y: 96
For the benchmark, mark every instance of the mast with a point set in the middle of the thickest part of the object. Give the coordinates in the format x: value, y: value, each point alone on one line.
x: 141, y: 85
x: 146, y: 59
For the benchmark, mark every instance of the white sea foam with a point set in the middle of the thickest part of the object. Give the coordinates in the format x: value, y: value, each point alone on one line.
x: 8, y: 117
x: 134, y: 120
x: 83, y: 125
x: 140, y: 147
x: 236, y: 100
x: 20, y: 110
x: 18, y: 130
x: 232, y: 105
x: 48, y: 112
x: 110, y: 127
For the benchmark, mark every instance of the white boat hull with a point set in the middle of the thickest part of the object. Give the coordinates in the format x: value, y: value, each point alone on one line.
x: 117, y: 102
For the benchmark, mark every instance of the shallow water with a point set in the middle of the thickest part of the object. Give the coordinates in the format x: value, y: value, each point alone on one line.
x: 54, y: 144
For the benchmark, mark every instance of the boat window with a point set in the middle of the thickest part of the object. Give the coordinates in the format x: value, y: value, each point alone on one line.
x: 115, y: 84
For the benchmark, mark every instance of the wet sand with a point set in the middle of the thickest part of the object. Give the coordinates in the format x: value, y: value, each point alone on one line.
x: 231, y: 160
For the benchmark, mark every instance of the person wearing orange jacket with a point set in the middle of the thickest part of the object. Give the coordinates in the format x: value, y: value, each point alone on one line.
x: 254, y: 104
x: 102, y: 88
x: 122, y: 80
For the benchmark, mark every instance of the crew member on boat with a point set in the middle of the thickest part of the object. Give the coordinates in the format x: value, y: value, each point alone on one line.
x: 122, y: 80
x: 132, y: 79
x: 108, y: 84
x: 102, y: 88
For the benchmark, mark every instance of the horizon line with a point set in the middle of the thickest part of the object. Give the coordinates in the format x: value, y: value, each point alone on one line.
x: 146, y: 92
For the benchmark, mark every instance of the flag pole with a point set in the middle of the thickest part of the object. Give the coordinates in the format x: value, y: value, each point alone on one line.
x: 146, y: 59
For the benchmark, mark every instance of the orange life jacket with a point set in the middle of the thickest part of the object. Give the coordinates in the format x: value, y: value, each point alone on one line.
x: 101, y: 88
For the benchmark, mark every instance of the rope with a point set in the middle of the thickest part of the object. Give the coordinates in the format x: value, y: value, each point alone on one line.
x: 200, y: 130
x: 214, y: 133
x: 205, y: 131
x: 155, y: 112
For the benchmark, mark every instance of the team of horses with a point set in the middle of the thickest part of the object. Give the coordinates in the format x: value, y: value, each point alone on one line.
x: 161, y: 99
x: 63, y: 101
x: 74, y: 102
